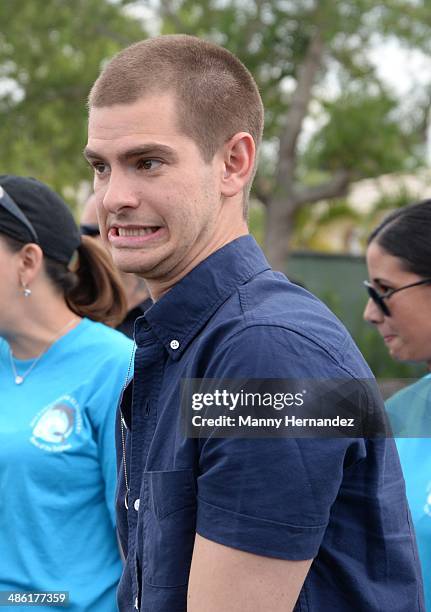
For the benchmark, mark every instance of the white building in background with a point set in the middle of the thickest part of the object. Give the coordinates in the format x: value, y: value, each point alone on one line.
x: 364, y: 195
x: 348, y: 234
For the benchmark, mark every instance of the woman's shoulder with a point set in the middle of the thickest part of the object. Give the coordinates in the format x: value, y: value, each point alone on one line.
x: 98, y: 336
x: 421, y: 389
x: 409, y: 410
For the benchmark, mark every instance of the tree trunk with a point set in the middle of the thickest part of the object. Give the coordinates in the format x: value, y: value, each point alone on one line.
x: 283, y: 203
x: 280, y: 214
x: 279, y: 226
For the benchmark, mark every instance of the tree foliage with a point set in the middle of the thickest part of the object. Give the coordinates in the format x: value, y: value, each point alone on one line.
x: 51, y: 52
x: 364, y: 134
x: 314, y: 57
x: 311, y: 59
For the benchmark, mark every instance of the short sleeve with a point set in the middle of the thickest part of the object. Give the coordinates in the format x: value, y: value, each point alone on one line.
x: 271, y: 497
x: 103, y: 415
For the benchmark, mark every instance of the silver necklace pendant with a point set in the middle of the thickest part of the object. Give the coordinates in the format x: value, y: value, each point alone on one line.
x: 19, y: 379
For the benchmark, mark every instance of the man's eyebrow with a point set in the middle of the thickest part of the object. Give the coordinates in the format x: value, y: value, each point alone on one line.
x: 89, y: 154
x: 147, y: 149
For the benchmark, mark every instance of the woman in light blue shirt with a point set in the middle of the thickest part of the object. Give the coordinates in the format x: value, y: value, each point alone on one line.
x: 399, y: 287
x: 61, y: 373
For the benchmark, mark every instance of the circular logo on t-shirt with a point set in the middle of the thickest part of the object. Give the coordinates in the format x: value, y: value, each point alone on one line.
x: 54, y: 424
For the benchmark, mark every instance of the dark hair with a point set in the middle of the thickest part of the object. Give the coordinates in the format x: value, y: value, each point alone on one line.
x: 406, y: 234
x: 216, y: 95
x: 92, y: 287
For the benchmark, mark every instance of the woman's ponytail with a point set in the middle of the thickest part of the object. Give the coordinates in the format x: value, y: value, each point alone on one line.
x: 91, y: 284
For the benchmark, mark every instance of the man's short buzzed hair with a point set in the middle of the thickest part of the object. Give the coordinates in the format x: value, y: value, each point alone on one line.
x: 217, y: 96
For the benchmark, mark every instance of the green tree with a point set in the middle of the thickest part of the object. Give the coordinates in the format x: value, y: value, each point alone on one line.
x: 292, y: 48
x: 51, y: 51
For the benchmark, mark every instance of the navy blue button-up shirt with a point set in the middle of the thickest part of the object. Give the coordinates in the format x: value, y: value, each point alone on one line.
x: 340, y: 501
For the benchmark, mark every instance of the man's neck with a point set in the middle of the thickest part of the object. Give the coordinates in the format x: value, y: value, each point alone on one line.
x: 158, y: 288
x: 135, y: 288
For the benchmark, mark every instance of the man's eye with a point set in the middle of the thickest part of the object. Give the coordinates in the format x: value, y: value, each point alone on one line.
x: 149, y: 164
x: 99, y: 167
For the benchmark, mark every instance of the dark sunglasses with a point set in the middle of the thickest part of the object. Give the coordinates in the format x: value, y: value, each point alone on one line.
x: 89, y: 229
x: 12, y: 208
x: 379, y: 298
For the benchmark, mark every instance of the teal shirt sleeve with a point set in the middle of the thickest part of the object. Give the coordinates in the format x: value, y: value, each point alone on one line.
x: 104, y: 408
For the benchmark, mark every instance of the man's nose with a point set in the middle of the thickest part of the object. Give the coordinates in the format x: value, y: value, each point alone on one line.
x: 119, y: 194
x: 372, y: 313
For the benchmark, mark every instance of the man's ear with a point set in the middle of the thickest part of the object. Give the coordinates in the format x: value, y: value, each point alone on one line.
x: 30, y: 263
x: 239, y: 155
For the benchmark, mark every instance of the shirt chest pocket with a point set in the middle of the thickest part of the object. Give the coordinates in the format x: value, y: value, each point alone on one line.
x: 169, y: 522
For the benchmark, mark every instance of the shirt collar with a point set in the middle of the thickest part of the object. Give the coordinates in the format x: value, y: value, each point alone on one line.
x: 179, y: 315
x: 140, y: 308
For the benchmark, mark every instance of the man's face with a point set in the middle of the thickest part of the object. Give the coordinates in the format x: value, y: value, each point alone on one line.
x: 159, y: 204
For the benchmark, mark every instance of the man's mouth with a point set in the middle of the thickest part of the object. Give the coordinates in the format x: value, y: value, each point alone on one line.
x: 134, y: 231
x: 134, y: 235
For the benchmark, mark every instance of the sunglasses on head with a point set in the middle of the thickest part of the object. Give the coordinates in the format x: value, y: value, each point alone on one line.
x: 379, y: 298
x: 89, y: 229
x: 7, y: 202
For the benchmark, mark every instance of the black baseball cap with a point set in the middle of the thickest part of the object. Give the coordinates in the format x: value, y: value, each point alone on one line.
x: 45, y: 218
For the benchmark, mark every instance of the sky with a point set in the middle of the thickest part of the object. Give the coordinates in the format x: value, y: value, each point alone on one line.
x: 400, y: 67
x: 406, y: 71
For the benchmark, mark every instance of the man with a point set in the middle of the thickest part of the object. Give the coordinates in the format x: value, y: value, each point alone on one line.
x: 138, y: 298
x: 222, y: 523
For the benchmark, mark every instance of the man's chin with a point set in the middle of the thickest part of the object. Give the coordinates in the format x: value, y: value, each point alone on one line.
x: 127, y: 268
x: 125, y: 263
x: 138, y: 268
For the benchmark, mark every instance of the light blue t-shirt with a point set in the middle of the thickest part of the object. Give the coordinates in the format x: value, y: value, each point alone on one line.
x: 410, y: 414
x: 58, y: 468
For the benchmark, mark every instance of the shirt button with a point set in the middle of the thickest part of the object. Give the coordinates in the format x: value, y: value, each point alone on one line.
x: 136, y: 504
x: 174, y: 345
x: 136, y: 604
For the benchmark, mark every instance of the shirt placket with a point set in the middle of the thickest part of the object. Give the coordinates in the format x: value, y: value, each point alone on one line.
x: 149, y: 361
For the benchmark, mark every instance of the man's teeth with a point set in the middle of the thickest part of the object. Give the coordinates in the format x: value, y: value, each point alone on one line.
x: 124, y: 231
